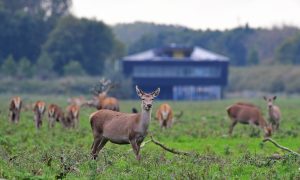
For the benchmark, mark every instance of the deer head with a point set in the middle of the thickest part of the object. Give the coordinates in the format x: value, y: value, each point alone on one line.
x: 147, y: 98
x: 270, y: 101
x: 268, y: 130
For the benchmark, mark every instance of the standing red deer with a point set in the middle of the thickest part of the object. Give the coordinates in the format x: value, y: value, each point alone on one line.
x: 55, y: 114
x: 122, y: 128
x: 15, y: 109
x: 274, y: 112
x: 246, y: 113
x: 73, y: 115
x: 39, y: 110
x: 164, y: 115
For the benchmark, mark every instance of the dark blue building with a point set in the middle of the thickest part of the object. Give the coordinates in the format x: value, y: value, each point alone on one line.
x: 182, y: 73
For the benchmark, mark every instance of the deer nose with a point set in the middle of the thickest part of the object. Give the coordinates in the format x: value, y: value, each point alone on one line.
x: 149, y: 105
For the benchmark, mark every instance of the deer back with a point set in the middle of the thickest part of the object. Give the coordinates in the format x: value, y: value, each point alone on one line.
x: 245, y: 114
x: 110, y: 103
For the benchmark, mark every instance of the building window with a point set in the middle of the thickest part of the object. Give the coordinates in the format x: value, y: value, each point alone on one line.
x: 177, y: 71
x: 196, y: 92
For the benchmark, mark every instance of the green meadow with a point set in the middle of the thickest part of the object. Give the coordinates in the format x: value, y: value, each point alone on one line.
x: 27, y: 153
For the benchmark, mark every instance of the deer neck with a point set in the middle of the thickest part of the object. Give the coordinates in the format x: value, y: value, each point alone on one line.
x: 262, y: 123
x: 144, y: 120
x: 271, y: 111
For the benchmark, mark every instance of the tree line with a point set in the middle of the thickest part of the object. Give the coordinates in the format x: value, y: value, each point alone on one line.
x: 42, y: 37
x: 245, y: 46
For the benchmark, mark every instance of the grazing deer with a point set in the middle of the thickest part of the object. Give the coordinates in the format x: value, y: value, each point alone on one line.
x: 122, y: 128
x: 102, y: 101
x: 164, y: 115
x: 73, y: 115
x: 15, y: 109
x: 273, y: 111
x: 39, y: 110
x: 55, y: 114
x: 247, y: 114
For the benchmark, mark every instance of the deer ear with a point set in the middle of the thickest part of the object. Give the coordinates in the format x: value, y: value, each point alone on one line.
x: 138, y: 91
x: 156, y: 92
x: 274, y: 97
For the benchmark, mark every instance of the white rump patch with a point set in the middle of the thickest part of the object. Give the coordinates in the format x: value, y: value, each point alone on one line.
x: 164, y: 114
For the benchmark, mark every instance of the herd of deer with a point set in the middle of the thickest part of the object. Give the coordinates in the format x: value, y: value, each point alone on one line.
x: 108, y: 124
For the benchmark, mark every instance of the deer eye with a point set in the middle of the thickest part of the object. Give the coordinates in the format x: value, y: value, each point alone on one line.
x: 143, y: 99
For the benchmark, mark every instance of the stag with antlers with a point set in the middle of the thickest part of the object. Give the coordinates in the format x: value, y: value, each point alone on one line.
x: 101, y: 100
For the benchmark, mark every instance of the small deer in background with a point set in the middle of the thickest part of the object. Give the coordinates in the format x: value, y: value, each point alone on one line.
x: 72, y: 116
x: 39, y: 109
x: 273, y: 111
x: 55, y: 114
x: 101, y: 100
x: 15, y: 109
x: 122, y: 128
x: 79, y: 101
x: 164, y: 115
x: 246, y: 113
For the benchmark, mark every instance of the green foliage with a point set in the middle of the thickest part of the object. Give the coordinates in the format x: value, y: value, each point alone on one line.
x: 22, y: 34
x: 289, y: 51
x: 275, y: 78
x: 88, y: 41
x: 44, y: 8
x: 9, y: 66
x: 252, y: 58
x: 25, y: 69
x: 73, y: 68
x: 44, y: 66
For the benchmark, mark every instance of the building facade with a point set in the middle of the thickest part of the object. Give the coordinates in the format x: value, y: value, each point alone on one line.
x: 182, y: 73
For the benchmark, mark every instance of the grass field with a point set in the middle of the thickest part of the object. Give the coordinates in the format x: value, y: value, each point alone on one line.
x: 26, y: 153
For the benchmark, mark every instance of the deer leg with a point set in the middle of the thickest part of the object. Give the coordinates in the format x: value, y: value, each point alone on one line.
x: 277, y: 126
x: 101, y: 145
x: 169, y: 123
x: 232, y: 126
x: 136, y: 149
x: 95, y: 144
x: 11, y: 116
x: 161, y: 123
x: 18, y: 117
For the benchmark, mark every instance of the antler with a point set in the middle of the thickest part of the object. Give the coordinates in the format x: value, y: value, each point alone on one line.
x: 104, y: 85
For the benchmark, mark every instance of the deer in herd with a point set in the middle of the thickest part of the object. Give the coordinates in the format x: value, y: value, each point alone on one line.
x: 39, y: 110
x: 72, y: 116
x: 101, y: 100
x: 122, y: 128
x: 15, y: 109
x: 164, y: 115
x: 55, y: 114
x: 273, y: 111
x: 79, y: 101
x: 246, y: 113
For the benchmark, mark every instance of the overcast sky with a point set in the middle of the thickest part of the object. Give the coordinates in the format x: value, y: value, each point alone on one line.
x: 196, y: 14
